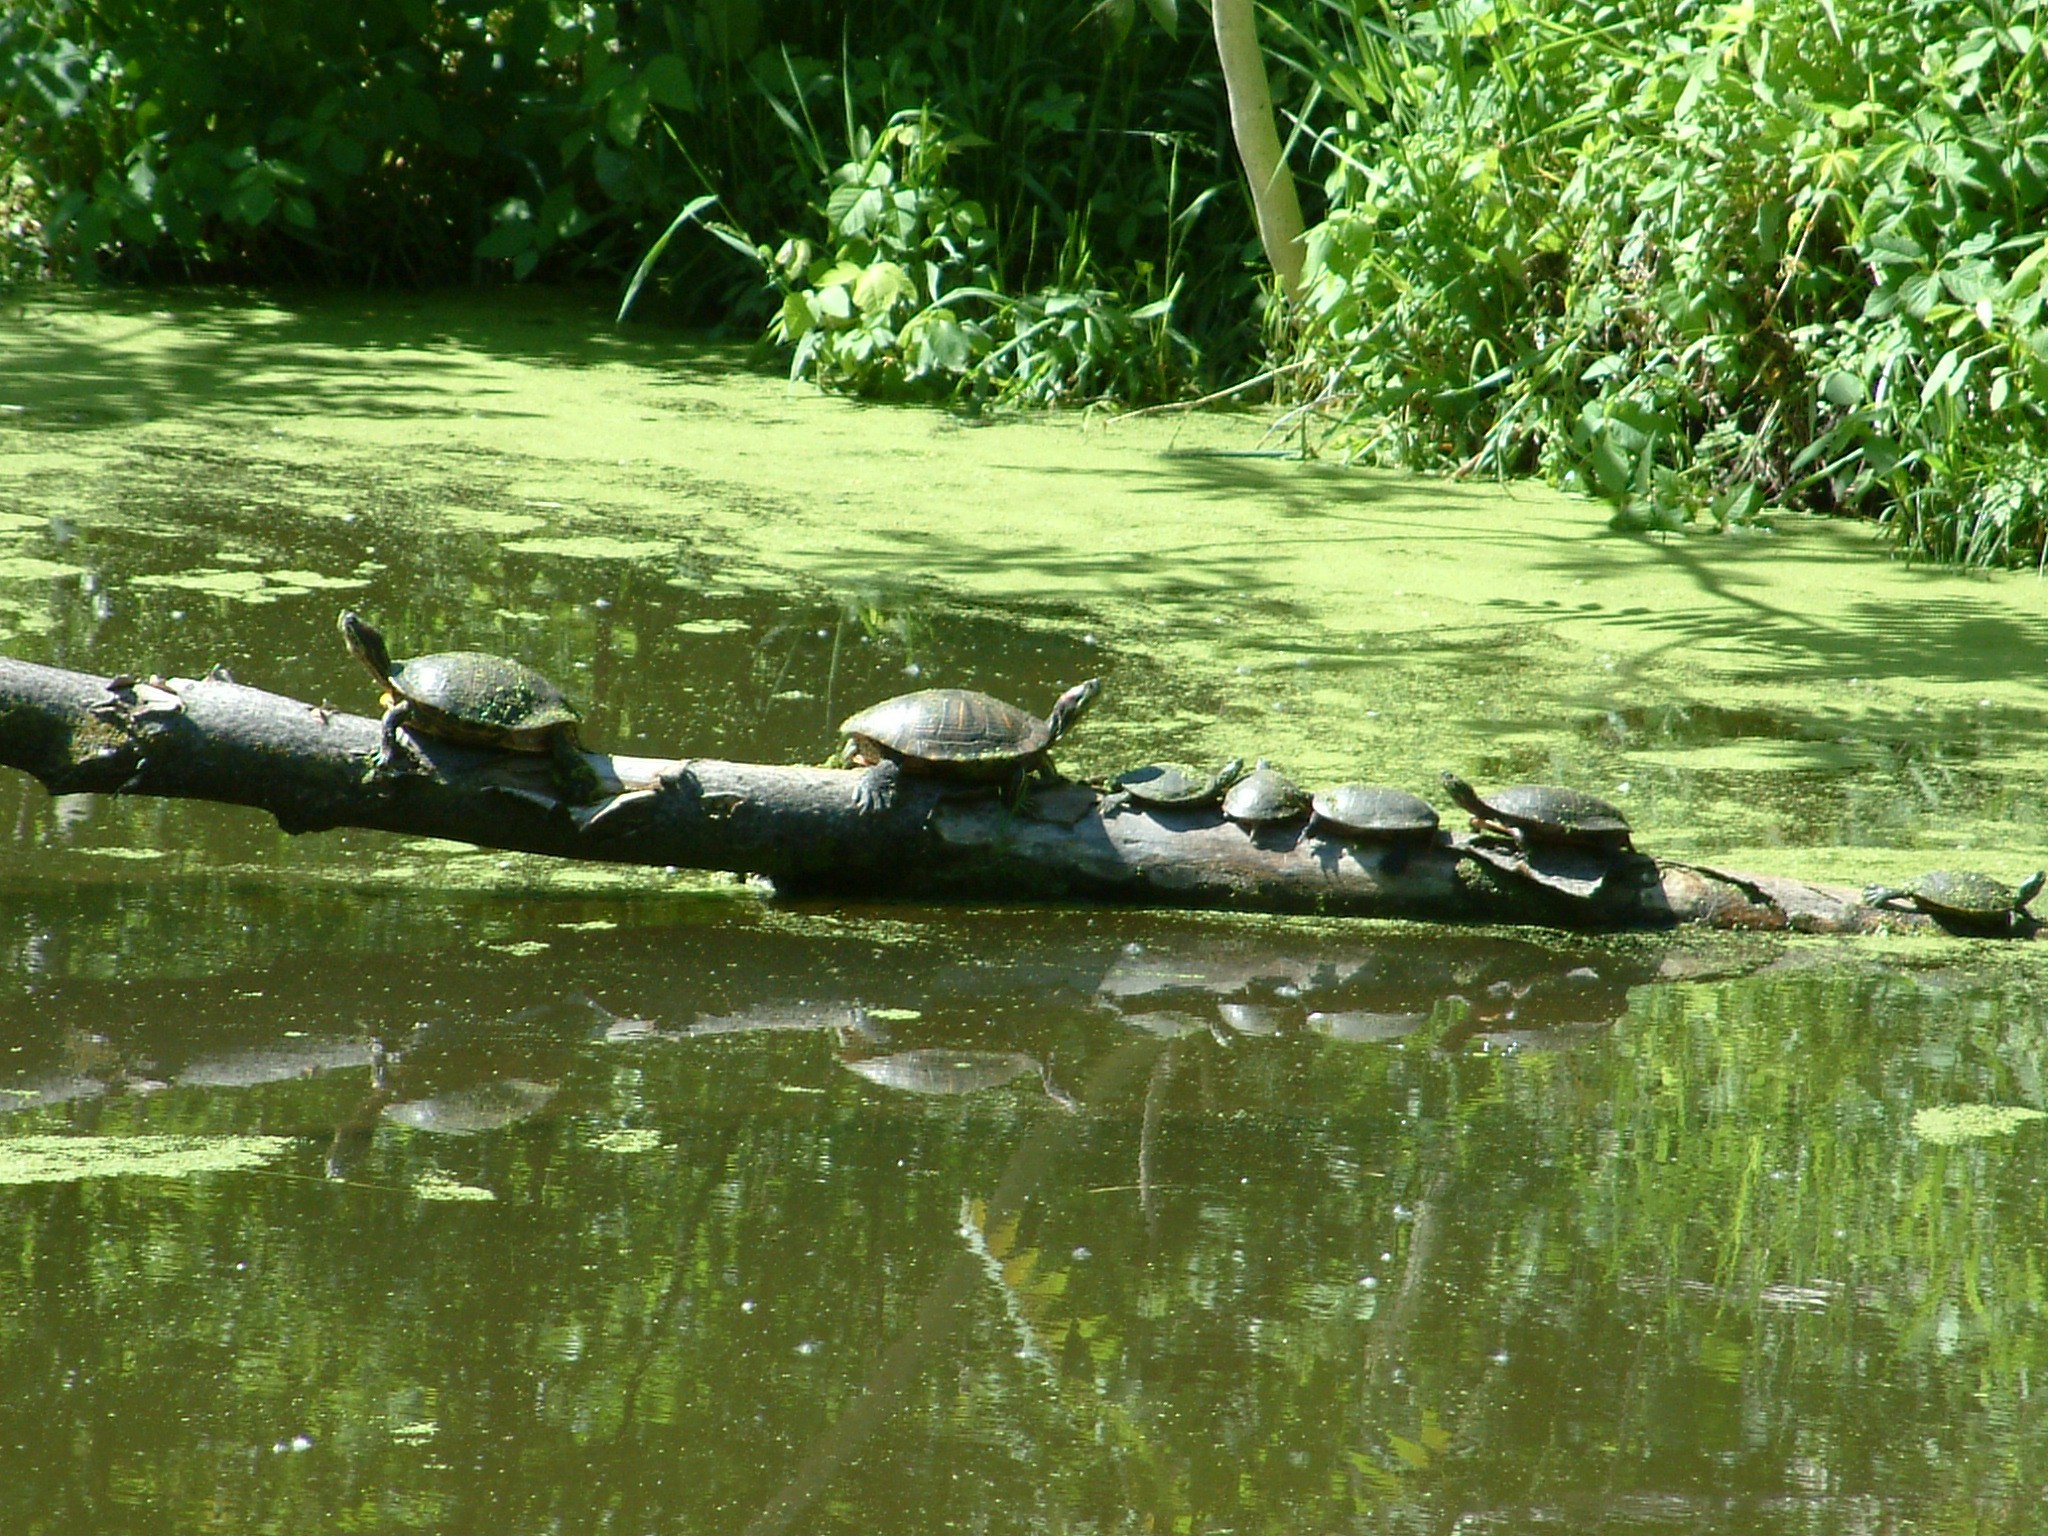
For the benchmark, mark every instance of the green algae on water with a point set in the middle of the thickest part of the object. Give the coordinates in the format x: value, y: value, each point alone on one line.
x: 63, y: 1159
x: 439, y: 1186
x: 1950, y: 1125
x: 628, y: 1141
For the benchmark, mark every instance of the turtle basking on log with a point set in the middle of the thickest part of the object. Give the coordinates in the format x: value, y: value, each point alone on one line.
x: 1963, y: 901
x: 1374, y: 814
x: 957, y: 734
x: 1171, y: 786
x: 472, y: 698
x: 1535, y: 814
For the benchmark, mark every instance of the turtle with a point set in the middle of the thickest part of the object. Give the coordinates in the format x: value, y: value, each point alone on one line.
x: 1965, y: 901
x: 1375, y: 813
x: 1173, y: 786
x: 473, y: 698
x: 1265, y: 797
x: 958, y: 734
x: 1545, y: 814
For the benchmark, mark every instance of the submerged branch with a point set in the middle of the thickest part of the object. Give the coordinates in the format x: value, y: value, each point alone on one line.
x: 804, y: 829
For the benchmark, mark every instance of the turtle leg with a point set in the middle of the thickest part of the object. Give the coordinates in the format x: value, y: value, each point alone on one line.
x: 875, y: 791
x: 578, y: 780
x: 394, y: 758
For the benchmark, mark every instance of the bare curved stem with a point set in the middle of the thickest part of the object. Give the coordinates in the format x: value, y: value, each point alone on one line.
x: 1258, y: 141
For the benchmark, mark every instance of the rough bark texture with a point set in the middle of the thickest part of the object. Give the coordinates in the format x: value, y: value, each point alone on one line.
x: 213, y: 739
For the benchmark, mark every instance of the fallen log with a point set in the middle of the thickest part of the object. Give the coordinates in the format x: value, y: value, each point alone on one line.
x: 803, y: 829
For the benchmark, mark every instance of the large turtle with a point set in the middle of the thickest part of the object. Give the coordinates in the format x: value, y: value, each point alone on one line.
x: 1964, y: 901
x: 473, y: 698
x: 1374, y: 813
x: 1544, y: 814
x: 958, y: 734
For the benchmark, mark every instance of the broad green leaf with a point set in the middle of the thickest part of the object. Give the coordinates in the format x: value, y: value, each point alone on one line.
x: 881, y: 287
x: 667, y: 82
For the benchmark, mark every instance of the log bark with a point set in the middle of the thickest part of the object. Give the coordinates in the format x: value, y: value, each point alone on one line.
x: 211, y: 738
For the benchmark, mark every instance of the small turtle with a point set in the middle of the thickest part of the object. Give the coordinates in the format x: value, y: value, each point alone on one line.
x: 1374, y: 813
x: 1265, y: 797
x: 1173, y: 786
x: 1545, y: 814
x: 955, y: 733
x: 1965, y: 901
x: 473, y: 698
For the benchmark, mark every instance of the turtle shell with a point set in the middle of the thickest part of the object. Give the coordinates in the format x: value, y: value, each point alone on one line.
x: 1964, y: 895
x: 1176, y: 784
x: 1263, y: 797
x: 1544, y: 813
x: 487, y: 700
x: 1969, y: 894
x: 1373, y: 810
x: 950, y: 731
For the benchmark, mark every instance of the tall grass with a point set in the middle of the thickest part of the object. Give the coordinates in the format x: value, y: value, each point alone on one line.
x: 1697, y: 259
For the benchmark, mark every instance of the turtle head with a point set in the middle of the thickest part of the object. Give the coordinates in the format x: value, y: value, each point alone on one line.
x: 2029, y: 889
x: 1457, y: 788
x: 1071, y: 706
x: 366, y: 645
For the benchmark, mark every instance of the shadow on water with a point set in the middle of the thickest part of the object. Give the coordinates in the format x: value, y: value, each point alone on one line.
x: 309, y: 356
x: 1967, y: 636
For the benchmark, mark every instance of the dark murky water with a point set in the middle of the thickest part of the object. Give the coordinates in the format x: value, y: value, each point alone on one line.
x: 669, y: 1210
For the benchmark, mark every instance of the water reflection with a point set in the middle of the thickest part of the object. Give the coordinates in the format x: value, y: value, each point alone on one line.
x: 784, y: 1231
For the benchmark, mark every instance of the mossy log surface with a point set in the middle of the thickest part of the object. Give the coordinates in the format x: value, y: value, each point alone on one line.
x: 213, y: 739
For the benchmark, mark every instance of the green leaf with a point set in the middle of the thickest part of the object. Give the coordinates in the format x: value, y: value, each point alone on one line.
x: 345, y: 154
x: 796, y: 316
x: 624, y: 113
x: 514, y: 232
x: 1844, y: 389
x: 1167, y: 14
x: 1919, y: 293
x: 667, y: 82
x: 940, y: 344
x: 881, y: 287
x: 691, y: 209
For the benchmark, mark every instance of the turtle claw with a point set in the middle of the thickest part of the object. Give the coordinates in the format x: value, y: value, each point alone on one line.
x: 875, y: 791
x: 396, y: 759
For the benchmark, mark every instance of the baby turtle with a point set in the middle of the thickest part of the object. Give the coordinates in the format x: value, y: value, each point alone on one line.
x: 1546, y: 814
x: 1265, y: 797
x: 958, y: 734
x: 1374, y: 813
x: 473, y: 698
x: 1965, y: 901
x: 1173, y: 786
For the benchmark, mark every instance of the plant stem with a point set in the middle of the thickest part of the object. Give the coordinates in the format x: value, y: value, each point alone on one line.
x: 1258, y: 142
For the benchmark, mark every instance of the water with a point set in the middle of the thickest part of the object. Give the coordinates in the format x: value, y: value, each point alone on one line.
x: 671, y: 1209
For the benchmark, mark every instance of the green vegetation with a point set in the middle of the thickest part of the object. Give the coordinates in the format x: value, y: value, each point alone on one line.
x: 1697, y: 260
x: 1020, y: 150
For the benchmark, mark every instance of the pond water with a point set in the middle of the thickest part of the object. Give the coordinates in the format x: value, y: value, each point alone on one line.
x: 358, y: 1183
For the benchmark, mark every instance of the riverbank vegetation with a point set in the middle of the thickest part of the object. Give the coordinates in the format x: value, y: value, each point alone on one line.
x: 1699, y: 260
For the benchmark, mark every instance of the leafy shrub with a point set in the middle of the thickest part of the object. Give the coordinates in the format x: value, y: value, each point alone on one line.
x: 395, y: 140
x: 905, y: 297
x: 1696, y: 259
